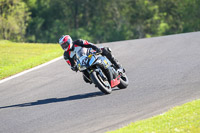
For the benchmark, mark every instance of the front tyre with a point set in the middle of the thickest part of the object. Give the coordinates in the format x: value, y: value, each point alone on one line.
x: 123, y: 82
x: 103, y: 85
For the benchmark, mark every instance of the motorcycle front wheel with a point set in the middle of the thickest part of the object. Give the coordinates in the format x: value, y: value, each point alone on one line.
x: 103, y: 85
x: 123, y: 82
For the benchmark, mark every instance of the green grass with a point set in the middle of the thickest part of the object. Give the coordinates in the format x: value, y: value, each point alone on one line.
x: 17, y: 57
x: 183, y: 119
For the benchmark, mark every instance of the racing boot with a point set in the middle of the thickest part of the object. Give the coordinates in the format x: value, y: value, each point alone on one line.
x: 107, y: 52
x: 118, y: 66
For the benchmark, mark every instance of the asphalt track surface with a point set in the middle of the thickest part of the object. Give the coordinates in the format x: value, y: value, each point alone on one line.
x: 163, y: 72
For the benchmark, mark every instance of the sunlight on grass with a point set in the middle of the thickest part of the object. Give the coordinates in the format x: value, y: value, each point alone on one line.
x: 17, y: 57
x: 181, y: 119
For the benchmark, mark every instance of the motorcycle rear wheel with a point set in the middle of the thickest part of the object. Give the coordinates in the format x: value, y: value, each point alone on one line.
x: 104, y: 86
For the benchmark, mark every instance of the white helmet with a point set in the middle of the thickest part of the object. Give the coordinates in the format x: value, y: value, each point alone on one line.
x: 66, y: 42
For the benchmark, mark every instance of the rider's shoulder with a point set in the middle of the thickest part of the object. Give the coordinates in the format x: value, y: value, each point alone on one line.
x: 79, y: 41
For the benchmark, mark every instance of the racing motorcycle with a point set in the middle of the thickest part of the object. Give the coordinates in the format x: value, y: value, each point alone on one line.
x: 97, y: 69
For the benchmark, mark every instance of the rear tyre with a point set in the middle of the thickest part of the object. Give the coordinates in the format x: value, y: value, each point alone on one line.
x: 103, y: 85
x: 123, y: 82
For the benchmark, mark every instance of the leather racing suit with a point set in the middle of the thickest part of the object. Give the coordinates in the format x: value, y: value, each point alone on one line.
x: 78, y: 45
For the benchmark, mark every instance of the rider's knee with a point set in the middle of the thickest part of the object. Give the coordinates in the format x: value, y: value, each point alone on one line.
x: 106, y: 51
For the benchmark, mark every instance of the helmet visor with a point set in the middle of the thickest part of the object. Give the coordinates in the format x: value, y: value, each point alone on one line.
x: 66, y: 44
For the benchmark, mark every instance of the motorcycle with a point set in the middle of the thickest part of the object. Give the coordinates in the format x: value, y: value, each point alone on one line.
x: 97, y: 69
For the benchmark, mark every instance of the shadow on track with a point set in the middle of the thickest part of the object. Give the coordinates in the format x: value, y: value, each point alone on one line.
x: 54, y: 100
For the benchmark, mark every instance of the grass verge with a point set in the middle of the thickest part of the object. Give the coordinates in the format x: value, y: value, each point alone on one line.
x: 17, y: 57
x: 183, y: 119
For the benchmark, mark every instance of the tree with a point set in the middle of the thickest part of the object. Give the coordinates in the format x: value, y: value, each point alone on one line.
x: 110, y: 20
x: 14, y: 18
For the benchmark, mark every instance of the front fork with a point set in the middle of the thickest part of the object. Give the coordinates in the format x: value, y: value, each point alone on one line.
x: 98, y: 70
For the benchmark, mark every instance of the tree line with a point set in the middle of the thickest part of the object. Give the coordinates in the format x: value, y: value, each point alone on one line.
x: 96, y: 20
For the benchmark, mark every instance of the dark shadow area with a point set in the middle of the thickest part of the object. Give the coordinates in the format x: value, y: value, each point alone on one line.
x: 54, y: 100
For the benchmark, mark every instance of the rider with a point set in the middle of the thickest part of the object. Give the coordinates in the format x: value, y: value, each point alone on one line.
x: 71, y: 48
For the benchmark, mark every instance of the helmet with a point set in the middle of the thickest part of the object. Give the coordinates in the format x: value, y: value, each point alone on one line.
x: 66, y: 42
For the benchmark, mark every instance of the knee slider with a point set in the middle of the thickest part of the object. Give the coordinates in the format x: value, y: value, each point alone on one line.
x: 108, y: 49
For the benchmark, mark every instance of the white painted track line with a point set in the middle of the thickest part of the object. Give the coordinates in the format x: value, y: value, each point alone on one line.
x: 29, y: 70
